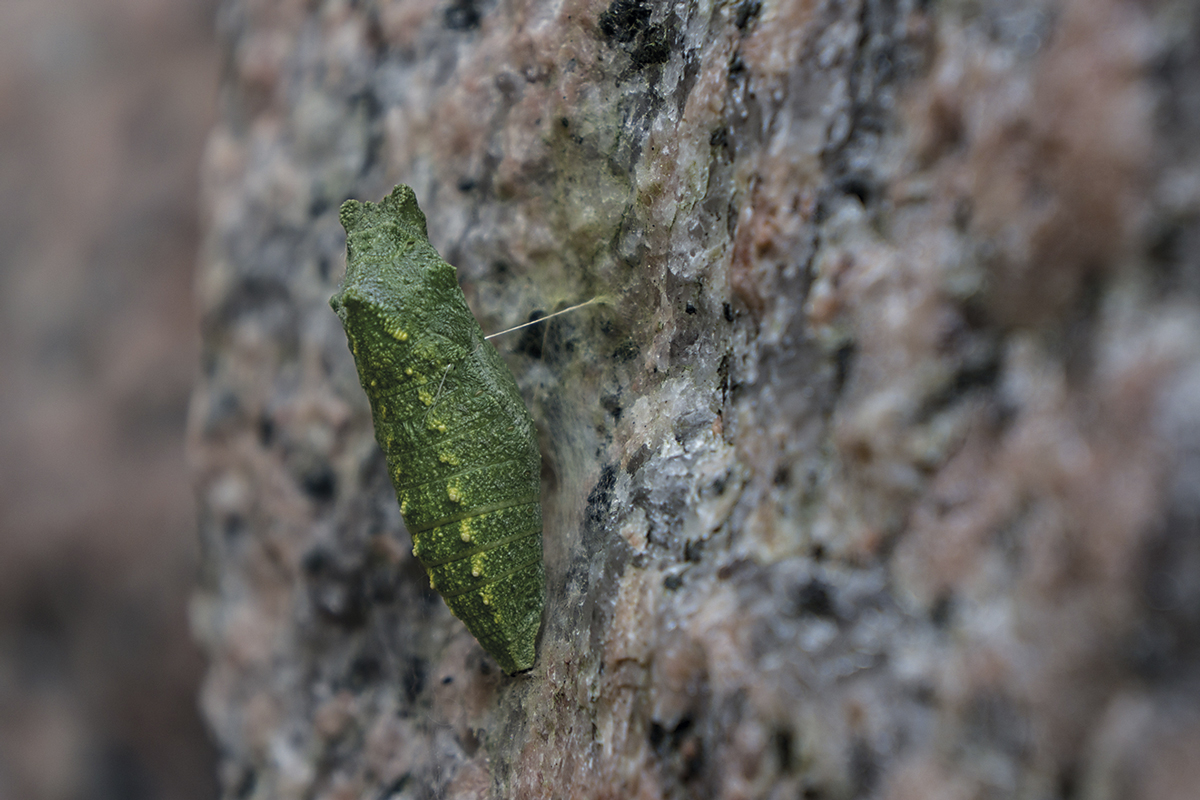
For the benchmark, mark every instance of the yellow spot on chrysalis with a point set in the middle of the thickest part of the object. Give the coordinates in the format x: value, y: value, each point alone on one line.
x: 448, y: 458
x: 464, y: 530
x: 408, y: 370
x: 477, y: 566
x: 454, y: 493
x: 425, y: 397
x: 374, y: 382
x: 399, y: 335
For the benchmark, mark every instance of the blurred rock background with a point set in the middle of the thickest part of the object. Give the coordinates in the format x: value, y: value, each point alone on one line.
x: 104, y: 110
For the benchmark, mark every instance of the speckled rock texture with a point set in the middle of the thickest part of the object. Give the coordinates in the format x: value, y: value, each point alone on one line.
x: 877, y: 475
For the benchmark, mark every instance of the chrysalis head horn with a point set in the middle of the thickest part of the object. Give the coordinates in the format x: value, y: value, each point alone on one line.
x: 402, y: 203
x: 350, y: 213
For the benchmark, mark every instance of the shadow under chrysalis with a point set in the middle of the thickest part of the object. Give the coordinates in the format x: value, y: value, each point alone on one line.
x: 460, y: 444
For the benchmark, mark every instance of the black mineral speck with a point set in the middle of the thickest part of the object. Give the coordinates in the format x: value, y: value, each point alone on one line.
x: 843, y: 358
x: 626, y: 24
x: 747, y: 11
x: 334, y: 590
x: 942, y: 611
x: 680, y: 748
x: 600, y: 498
x: 413, y: 678
x: 319, y: 483
x: 654, y: 48
x: 612, y: 404
x: 814, y: 598
x: 859, y: 186
x: 624, y: 20
x: 533, y: 336
x: 784, y: 747
x: 266, y: 431
x: 626, y: 352
x: 462, y: 15
x: 364, y: 670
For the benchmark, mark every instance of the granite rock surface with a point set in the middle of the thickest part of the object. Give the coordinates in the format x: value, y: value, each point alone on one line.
x: 877, y: 473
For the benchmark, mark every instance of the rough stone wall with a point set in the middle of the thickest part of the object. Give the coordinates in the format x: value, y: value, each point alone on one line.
x: 878, y: 474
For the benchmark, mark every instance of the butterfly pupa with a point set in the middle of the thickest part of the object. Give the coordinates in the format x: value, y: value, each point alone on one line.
x: 460, y: 445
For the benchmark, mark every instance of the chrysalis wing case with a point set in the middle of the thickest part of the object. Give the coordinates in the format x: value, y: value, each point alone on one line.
x: 460, y: 444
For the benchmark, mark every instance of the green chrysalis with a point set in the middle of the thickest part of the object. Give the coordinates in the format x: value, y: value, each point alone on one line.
x: 460, y: 445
